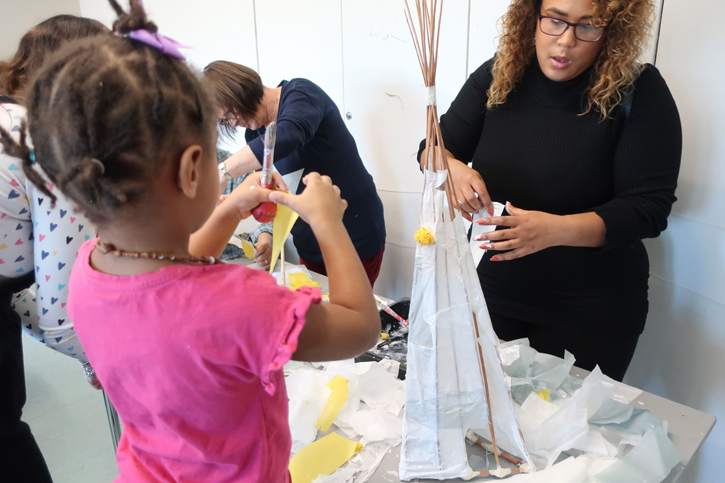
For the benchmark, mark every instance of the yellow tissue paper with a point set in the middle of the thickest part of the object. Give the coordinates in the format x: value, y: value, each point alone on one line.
x: 544, y: 394
x: 284, y: 220
x: 246, y: 246
x: 301, y: 280
x: 248, y: 249
x: 424, y: 237
x: 338, y: 398
x: 322, y: 457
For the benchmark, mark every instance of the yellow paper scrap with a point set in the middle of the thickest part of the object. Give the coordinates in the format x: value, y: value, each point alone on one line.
x: 284, y: 220
x: 246, y: 246
x: 322, y: 457
x: 325, y: 298
x: 424, y: 237
x: 301, y: 280
x: 338, y: 398
x: 544, y: 394
x: 248, y: 249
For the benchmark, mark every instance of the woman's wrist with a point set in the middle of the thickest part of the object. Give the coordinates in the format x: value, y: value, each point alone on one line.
x: 581, y: 230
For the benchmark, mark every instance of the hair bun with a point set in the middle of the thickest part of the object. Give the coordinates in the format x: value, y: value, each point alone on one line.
x: 134, y: 19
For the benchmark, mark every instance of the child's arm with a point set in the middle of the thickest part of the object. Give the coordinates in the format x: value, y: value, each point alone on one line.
x: 212, y: 238
x: 350, y: 323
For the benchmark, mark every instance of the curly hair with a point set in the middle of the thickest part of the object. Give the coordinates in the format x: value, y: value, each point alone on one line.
x: 615, y: 70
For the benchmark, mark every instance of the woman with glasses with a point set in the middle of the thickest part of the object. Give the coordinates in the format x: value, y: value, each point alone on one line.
x: 583, y: 144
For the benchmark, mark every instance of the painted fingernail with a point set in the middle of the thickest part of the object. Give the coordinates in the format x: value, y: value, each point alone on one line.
x: 494, y: 259
x: 483, y: 221
x: 478, y: 238
x: 486, y: 246
x: 490, y: 212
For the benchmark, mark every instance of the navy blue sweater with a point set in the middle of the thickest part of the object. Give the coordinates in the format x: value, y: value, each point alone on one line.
x: 311, y: 136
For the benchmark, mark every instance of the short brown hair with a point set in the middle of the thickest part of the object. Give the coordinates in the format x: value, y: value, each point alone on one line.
x: 40, y: 41
x: 238, y: 90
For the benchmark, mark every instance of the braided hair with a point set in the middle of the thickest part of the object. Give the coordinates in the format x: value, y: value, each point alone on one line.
x: 107, y: 113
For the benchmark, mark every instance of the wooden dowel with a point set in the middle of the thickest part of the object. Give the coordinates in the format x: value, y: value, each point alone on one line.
x: 281, y: 257
x: 501, y: 453
x: 488, y: 473
x: 485, y: 384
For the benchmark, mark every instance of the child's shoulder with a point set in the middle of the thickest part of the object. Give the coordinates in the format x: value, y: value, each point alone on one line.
x: 235, y: 278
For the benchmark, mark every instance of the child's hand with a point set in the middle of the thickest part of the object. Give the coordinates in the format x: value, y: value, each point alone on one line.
x: 249, y: 194
x: 318, y: 205
x: 263, y: 250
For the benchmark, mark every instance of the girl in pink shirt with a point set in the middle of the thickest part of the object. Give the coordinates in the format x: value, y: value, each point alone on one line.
x: 190, y: 350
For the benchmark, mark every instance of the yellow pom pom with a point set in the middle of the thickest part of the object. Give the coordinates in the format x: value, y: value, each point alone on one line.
x: 384, y: 336
x: 424, y: 237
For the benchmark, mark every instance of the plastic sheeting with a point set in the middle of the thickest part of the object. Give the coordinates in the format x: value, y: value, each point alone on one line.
x: 371, y: 415
x: 445, y: 393
x: 617, y: 443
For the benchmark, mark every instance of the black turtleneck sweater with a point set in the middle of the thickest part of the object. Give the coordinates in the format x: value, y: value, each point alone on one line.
x: 539, y: 153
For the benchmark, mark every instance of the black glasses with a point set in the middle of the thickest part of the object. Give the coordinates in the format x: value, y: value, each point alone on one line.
x: 585, y: 32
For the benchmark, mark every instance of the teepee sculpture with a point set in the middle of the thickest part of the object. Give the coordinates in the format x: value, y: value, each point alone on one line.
x: 455, y: 379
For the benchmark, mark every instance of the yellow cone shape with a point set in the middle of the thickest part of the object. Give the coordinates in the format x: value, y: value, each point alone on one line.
x: 322, y: 457
x: 284, y: 220
x: 338, y: 398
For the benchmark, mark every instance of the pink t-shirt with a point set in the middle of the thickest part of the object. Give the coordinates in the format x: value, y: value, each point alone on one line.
x: 191, y: 357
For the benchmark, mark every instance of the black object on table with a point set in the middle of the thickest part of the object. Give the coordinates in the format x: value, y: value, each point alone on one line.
x: 396, y: 345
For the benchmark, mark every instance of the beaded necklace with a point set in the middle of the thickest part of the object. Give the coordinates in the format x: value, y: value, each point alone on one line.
x: 107, y: 248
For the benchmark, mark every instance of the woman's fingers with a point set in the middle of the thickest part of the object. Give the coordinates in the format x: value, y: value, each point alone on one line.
x: 462, y: 196
x: 279, y: 181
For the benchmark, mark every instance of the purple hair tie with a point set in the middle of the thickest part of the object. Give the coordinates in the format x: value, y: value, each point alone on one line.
x: 161, y: 42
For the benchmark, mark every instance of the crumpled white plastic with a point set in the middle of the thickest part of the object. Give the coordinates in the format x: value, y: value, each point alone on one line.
x: 377, y: 425
x: 371, y: 414
x: 380, y: 389
x: 616, y: 442
x: 477, y: 229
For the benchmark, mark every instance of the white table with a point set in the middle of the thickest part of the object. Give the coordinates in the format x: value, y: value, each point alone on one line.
x: 688, y: 428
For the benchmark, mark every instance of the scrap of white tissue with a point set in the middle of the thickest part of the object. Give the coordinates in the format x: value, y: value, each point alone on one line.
x: 377, y: 425
x: 302, y: 418
x: 622, y: 392
x: 477, y: 229
x: 533, y: 412
x: 380, y: 389
x: 570, y: 423
x: 651, y: 460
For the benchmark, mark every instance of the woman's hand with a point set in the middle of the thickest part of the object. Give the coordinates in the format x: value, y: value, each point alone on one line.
x: 263, y: 249
x: 528, y: 232
x: 319, y: 204
x: 471, y: 193
x: 533, y: 231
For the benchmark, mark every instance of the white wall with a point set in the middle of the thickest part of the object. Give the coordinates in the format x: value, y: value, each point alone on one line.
x: 681, y: 355
x: 359, y: 51
x: 20, y: 16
